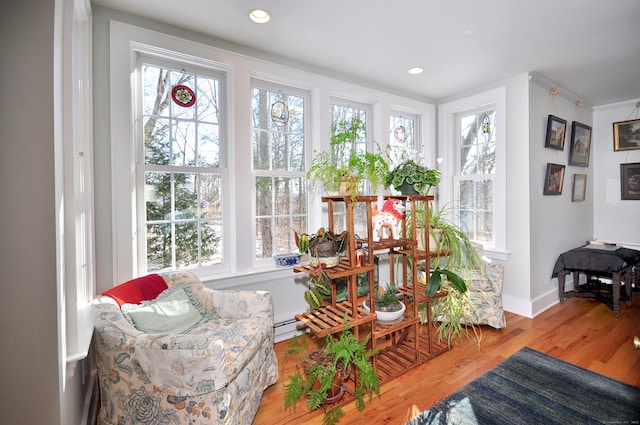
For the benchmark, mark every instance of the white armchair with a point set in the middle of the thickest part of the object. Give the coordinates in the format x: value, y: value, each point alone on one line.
x: 214, y: 372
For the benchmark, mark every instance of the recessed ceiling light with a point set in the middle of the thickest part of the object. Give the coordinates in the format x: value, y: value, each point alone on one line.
x: 259, y: 16
x: 416, y: 70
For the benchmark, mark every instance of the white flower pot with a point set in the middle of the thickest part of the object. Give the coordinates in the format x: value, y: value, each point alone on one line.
x: 388, y: 317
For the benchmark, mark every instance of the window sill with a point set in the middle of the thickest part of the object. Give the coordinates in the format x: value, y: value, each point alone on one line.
x: 237, y: 280
x: 497, y: 255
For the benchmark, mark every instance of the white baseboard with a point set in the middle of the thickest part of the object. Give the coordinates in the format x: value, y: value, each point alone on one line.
x: 530, y: 308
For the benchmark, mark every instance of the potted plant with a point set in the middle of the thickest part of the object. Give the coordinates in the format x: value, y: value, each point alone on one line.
x: 324, y: 371
x: 454, y: 312
x: 343, y: 169
x: 389, y: 308
x: 323, y: 247
x: 320, y: 287
x: 324, y: 170
x: 411, y: 178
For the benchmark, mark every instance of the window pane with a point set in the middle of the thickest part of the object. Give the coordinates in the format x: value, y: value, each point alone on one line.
x: 209, y: 143
x: 183, y: 146
x: 264, y: 196
x: 207, y: 100
x: 282, y: 196
x: 159, y: 252
x: 280, y: 152
x: 157, y: 136
x: 284, y: 240
x: 299, y: 196
x: 264, y: 238
x: 157, y: 193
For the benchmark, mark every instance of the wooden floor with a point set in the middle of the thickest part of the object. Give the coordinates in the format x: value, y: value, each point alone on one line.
x: 581, y: 331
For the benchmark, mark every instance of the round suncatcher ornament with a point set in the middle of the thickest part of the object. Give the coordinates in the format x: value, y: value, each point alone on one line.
x: 400, y: 134
x: 183, y: 96
x: 279, y: 114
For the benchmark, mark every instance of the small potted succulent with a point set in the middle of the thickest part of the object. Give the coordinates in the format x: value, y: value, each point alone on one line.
x: 411, y: 178
x: 389, y: 308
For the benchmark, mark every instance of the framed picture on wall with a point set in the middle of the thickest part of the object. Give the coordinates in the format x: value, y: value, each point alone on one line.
x: 553, y: 180
x: 626, y: 135
x: 556, y: 129
x: 580, y: 144
x: 579, y: 192
x: 630, y: 181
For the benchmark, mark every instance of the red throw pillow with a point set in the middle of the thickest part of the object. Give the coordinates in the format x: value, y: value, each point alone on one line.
x: 137, y: 290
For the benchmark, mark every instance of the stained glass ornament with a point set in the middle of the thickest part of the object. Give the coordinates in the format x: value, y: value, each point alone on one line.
x: 279, y: 114
x: 183, y: 96
x: 400, y: 134
x: 486, y: 124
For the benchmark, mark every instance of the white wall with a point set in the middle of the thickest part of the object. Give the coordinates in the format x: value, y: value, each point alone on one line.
x: 557, y: 223
x: 36, y: 391
x: 614, y: 218
x: 517, y: 267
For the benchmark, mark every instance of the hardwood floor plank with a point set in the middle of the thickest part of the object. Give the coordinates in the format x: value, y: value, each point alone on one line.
x: 581, y: 331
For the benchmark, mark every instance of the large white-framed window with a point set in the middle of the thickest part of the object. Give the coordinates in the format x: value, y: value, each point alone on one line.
x: 181, y: 172
x: 474, y: 181
x: 177, y: 188
x: 279, y: 133
x: 472, y: 145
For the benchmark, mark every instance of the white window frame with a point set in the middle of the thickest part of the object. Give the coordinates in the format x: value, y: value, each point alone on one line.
x: 449, y: 147
x: 167, y: 61
x: 306, y: 95
x: 123, y: 60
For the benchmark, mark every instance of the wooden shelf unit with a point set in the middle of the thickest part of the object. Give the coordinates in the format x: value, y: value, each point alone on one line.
x: 400, y: 346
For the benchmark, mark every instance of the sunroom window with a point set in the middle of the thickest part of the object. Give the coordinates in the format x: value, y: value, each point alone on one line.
x: 182, y: 167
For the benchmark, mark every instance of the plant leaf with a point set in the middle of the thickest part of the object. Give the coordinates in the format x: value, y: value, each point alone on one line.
x: 434, y: 283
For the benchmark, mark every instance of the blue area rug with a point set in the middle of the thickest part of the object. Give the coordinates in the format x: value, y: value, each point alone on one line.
x: 534, y: 388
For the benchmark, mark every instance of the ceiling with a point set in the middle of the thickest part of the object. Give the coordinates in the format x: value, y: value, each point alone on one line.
x: 589, y: 48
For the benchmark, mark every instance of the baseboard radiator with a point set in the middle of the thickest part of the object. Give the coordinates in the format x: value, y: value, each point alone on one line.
x: 287, y: 329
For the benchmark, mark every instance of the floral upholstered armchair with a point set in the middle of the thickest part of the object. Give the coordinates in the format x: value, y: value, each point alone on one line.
x: 172, y: 351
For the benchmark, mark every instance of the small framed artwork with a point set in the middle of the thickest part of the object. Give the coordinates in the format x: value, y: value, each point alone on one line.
x: 580, y: 144
x: 630, y: 181
x: 579, y: 192
x: 626, y: 135
x: 556, y: 129
x: 553, y: 180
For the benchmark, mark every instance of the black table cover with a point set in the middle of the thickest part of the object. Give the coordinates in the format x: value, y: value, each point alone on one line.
x: 596, y: 260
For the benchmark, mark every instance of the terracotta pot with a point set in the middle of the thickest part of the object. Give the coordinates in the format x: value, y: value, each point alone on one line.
x: 337, y: 390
